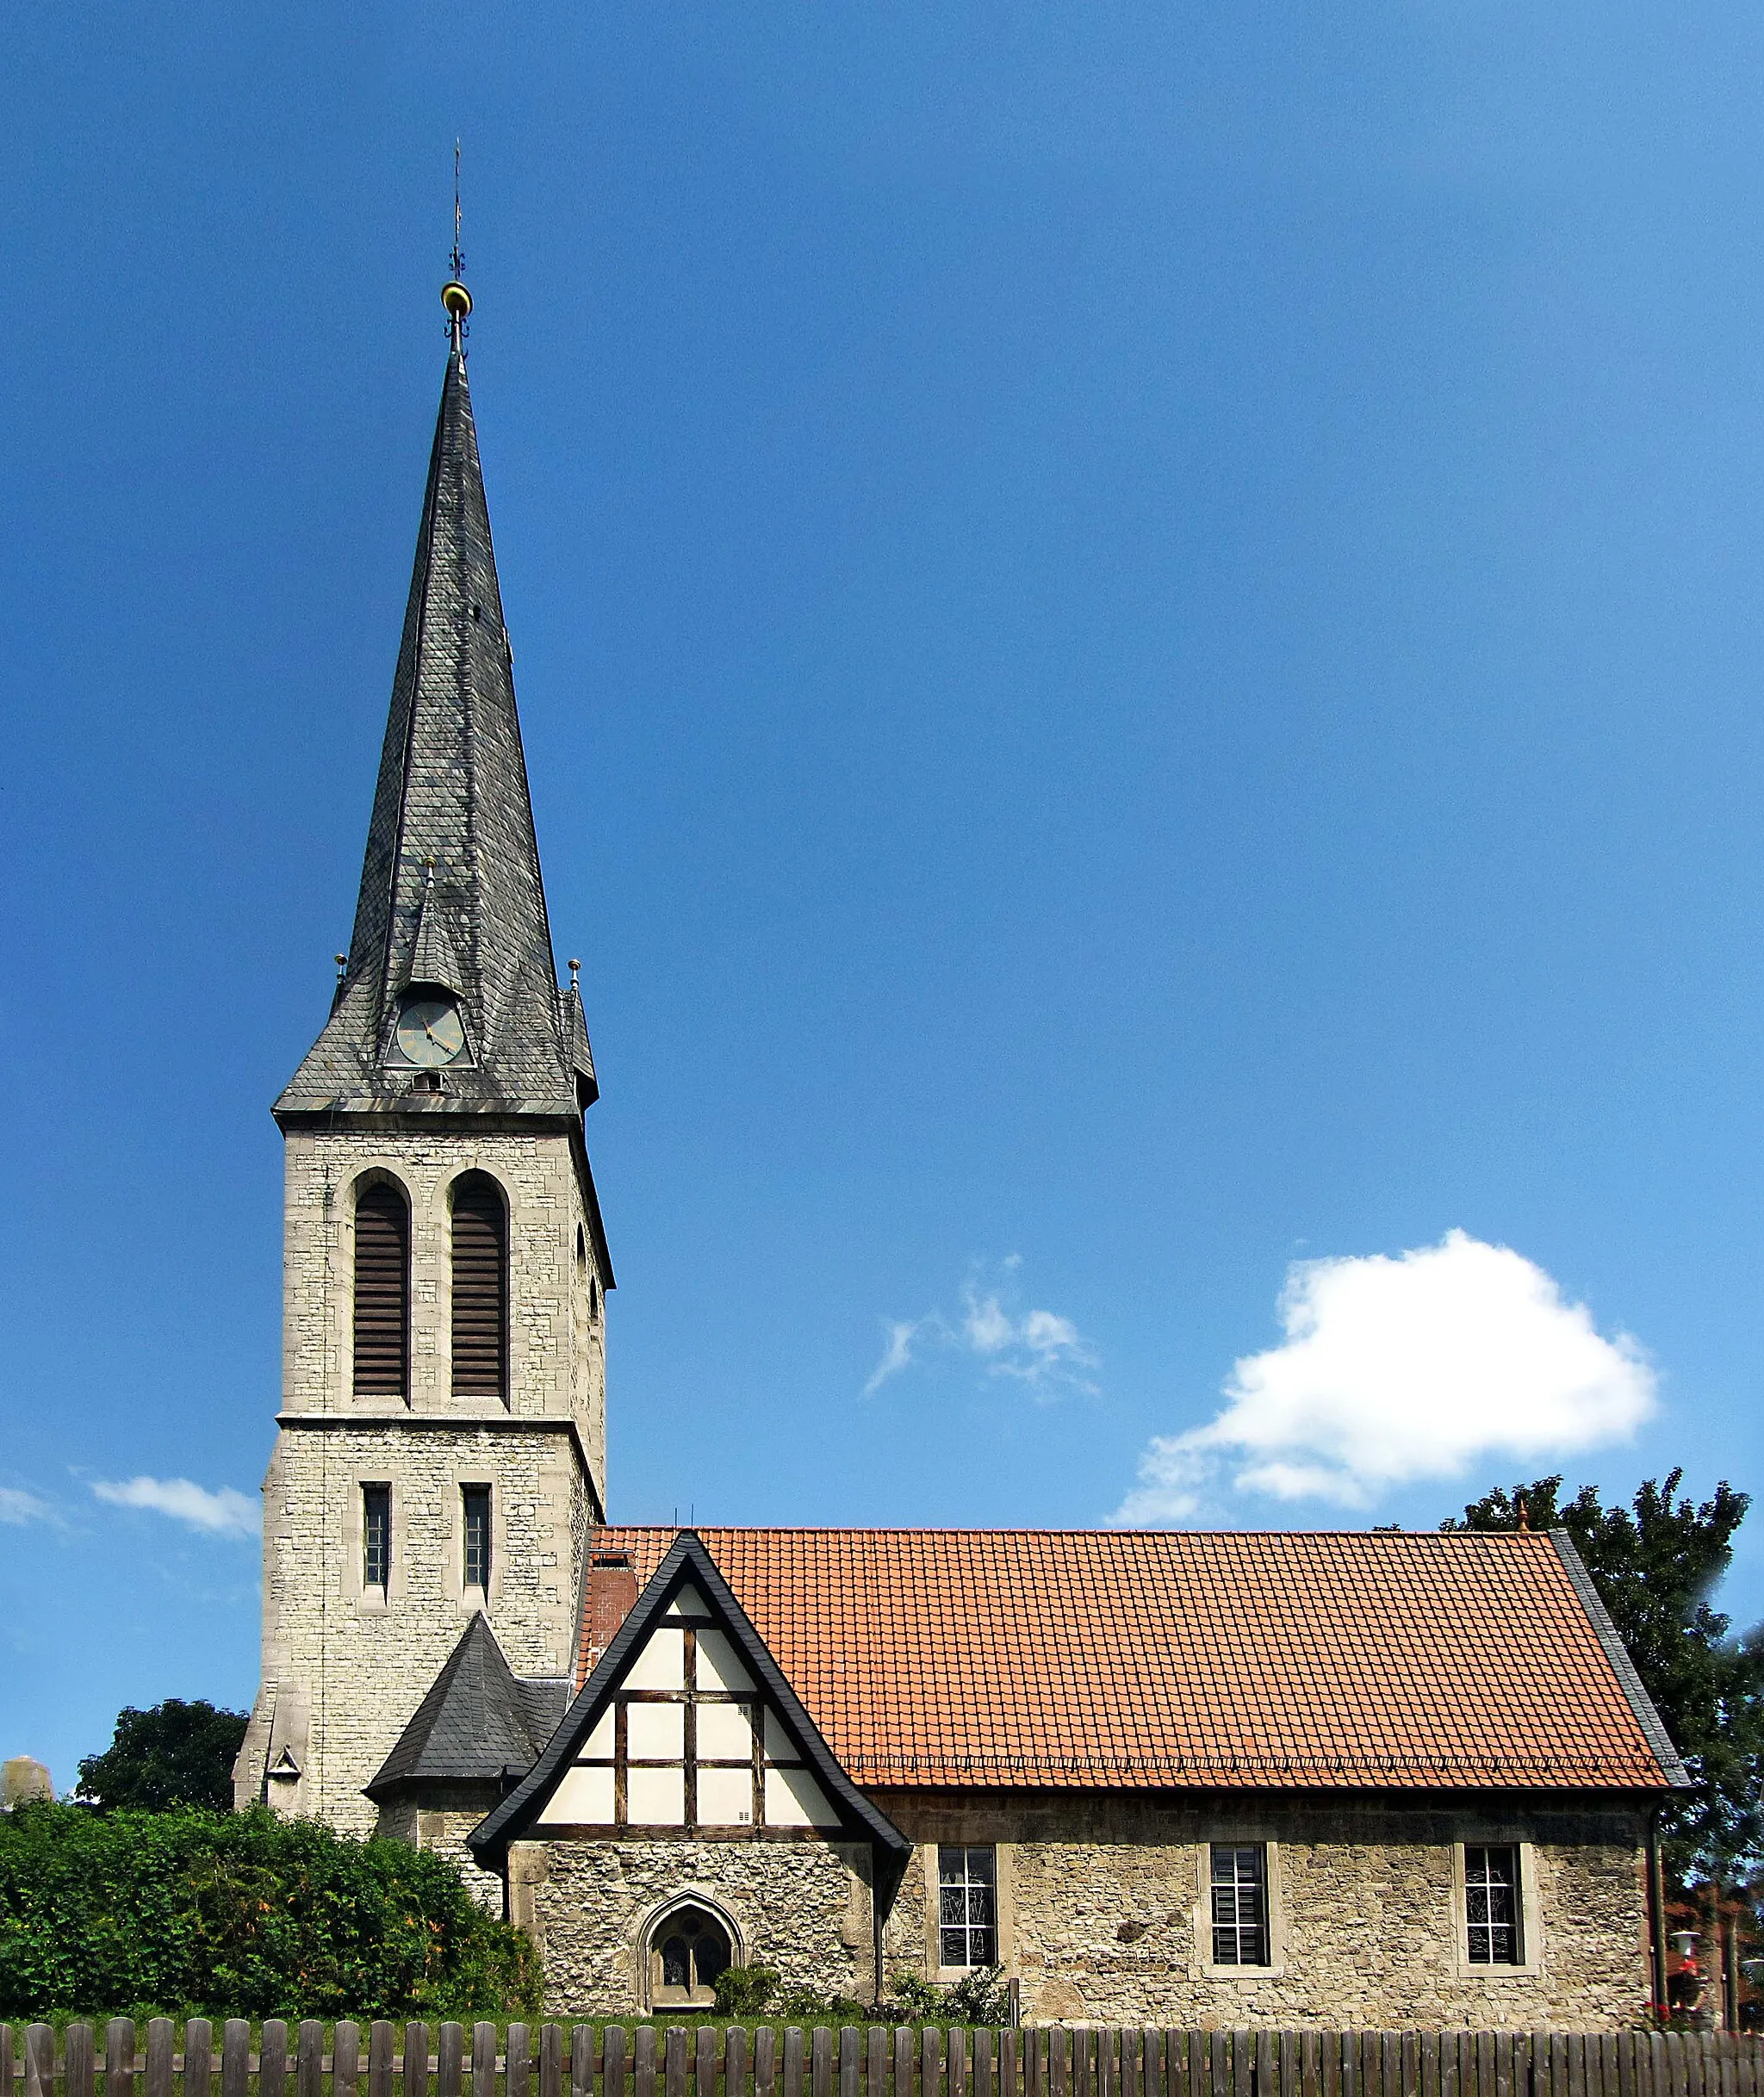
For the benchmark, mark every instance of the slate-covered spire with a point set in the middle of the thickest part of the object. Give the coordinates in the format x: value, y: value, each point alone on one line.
x: 451, y: 895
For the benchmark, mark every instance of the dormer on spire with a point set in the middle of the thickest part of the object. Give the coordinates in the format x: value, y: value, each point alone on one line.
x: 433, y: 965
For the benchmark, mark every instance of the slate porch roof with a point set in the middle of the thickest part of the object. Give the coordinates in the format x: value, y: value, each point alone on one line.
x: 1140, y: 1659
x: 478, y: 1719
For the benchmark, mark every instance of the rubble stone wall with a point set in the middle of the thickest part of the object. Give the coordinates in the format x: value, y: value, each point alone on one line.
x: 1104, y: 1914
x: 801, y: 1908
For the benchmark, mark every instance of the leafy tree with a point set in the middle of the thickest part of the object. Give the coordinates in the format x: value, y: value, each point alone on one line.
x: 1655, y: 1563
x: 175, y: 1754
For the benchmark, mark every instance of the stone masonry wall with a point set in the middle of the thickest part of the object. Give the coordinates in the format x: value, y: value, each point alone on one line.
x: 1103, y: 1909
x: 363, y: 1664
x: 440, y: 1820
x: 801, y: 1908
x: 557, y: 1367
x: 352, y: 1666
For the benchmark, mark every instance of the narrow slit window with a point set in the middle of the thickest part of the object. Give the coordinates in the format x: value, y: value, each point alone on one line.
x: 381, y: 1294
x: 967, y: 1907
x: 376, y: 1539
x: 1239, y: 1904
x: 477, y: 1536
x: 1492, y: 1902
x: 480, y: 1288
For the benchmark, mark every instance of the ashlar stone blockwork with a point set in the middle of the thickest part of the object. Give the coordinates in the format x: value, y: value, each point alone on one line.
x: 344, y: 1666
x: 556, y: 1366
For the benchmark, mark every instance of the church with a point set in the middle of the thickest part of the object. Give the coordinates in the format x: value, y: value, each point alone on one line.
x: 1153, y: 1776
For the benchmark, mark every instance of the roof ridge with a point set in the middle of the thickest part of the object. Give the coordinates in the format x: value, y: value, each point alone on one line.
x: 934, y: 1528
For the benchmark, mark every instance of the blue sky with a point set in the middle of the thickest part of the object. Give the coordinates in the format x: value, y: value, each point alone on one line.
x: 1138, y: 631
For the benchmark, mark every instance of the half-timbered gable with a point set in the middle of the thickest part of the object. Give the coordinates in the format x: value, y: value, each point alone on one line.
x: 686, y: 1727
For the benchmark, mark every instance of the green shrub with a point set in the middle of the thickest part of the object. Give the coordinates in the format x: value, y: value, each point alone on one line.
x: 242, y: 1916
x: 810, y: 2006
x: 915, y: 2000
x: 979, y: 1997
x: 746, y: 1991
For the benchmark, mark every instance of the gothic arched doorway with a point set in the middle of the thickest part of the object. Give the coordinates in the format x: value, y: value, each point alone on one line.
x: 689, y: 1946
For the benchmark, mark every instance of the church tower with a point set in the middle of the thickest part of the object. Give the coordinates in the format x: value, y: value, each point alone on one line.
x: 441, y: 1448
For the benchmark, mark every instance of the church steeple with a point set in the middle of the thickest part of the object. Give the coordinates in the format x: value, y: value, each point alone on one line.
x: 451, y: 904
x: 441, y: 1446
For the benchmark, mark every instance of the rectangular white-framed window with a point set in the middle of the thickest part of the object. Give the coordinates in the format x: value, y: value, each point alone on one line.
x: 1237, y: 1899
x: 1497, y: 1926
x: 474, y: 1503
x: 1493, y: 1905
x: 967, y: 1905
x: 1239, y: 1932
x: 376, y: 1540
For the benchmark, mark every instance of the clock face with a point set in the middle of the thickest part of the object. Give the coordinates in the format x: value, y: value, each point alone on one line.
x: 429, y: 1030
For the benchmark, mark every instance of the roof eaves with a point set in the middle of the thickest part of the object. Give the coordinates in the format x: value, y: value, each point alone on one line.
x: 1647, y: 1717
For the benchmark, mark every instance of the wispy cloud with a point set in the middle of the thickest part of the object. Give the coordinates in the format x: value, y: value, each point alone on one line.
x: 224, y: 1513
x: 18, y: 1507
x: 1398, y: 1370
x: 1039, y: 1348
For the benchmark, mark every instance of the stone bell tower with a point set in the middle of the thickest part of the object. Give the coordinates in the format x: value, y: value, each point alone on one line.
x: 441, y: 1452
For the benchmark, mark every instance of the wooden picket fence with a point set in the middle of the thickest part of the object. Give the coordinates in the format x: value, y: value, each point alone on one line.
x: 554, y: 2060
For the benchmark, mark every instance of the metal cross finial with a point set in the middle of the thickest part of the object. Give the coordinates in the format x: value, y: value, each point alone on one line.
x: 454, y: 297
x: 458, y: 258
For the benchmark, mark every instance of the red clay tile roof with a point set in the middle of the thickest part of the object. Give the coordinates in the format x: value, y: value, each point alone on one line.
x: 1148, y: 1659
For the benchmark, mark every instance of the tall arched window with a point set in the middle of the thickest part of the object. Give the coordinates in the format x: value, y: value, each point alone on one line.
x: 480, y: 1288
x: 381, y: 1294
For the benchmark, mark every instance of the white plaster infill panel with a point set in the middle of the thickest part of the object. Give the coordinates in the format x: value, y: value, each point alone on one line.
x: 585, y: 1797
x: 725, y: 1797
x: 718, y: 1668
x: 657, y: 1798
x: 655, y: 1732
x: 793, y: 1799
x: 661, y: 1665
x: 725, y: 1733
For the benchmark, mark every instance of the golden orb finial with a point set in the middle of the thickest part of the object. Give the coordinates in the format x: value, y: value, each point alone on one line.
x: 454, y: 297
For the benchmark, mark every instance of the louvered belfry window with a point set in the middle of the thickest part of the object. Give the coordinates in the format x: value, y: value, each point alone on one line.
x: 381, y: 1294
x: 480, y: 1288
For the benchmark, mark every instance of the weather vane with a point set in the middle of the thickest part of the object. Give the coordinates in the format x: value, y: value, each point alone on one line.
x: 454, y: 297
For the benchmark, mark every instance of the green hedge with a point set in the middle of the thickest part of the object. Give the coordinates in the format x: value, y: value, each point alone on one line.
x: 242, y: 1916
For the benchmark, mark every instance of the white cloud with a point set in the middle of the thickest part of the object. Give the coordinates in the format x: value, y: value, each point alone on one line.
x: 897, y: 1355
x: 17, y: 1507
x: 225, y: 1513
x: 1040, y: 1349
x: 1398, y: 1370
